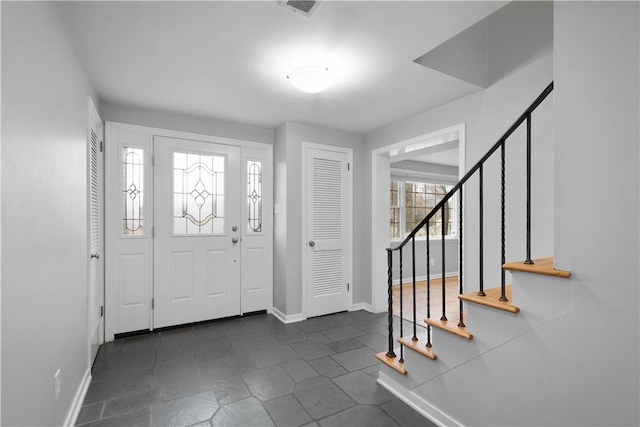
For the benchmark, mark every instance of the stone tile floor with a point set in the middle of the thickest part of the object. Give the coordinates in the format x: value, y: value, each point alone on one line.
x: 248, y: 371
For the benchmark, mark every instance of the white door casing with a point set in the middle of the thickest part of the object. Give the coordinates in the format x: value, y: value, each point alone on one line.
x: 130, y: 257
x: 197, y: 236
x: 96, y: 239
x: 327, y: 221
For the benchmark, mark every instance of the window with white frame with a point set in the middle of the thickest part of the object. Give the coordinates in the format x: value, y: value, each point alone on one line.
x: 411, y: 201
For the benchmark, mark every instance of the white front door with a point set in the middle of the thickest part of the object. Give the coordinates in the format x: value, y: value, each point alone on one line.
x: 328, y: 213
x: 196, y: 231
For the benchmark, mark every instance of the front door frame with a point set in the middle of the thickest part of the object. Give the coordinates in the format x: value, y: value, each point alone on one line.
x: 248, y: 150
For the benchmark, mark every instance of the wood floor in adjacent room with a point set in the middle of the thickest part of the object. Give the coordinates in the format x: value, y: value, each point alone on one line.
x: 451, y: 300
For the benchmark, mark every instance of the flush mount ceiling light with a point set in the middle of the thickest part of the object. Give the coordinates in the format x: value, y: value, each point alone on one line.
x: 311, y: 78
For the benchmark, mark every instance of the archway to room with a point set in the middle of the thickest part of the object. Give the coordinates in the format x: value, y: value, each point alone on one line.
x: 418, y: 169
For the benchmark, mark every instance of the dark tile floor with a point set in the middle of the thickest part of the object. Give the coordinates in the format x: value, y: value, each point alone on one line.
x: 250, y: 371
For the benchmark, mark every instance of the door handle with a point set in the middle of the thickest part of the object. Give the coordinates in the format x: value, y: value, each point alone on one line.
x: 95, y: 255
x: 312, y: 243
x: 234, y: 240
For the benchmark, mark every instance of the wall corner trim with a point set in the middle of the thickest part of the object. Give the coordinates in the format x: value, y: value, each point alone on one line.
x: 287, y: 319
x: 76, y: 405
x: 361, y: 306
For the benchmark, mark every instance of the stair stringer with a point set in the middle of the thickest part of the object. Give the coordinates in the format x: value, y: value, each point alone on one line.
x: 541, y: 299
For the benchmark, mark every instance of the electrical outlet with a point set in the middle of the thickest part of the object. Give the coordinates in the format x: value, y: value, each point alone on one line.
x: 56, y: 386
x: 433, y: 262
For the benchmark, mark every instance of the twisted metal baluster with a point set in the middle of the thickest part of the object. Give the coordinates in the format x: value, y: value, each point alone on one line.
x: 390, y: 353
x: 503, y: 296
x: 401, y: 309
x: 481, y: 231
x: 461, y: 322
x: 413, y: 267
x: 428, y: 289
x: 444, y: 291
x: 528, y: 259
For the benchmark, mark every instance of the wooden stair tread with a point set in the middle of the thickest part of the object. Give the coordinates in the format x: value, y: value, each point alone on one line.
x: 419, y: 346
x: 539, y: 266
x: 492, y: 299
x: 450, y: 326
x: 392, y: 362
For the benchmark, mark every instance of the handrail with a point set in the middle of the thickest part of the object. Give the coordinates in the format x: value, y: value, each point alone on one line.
x: 471, y: 171
x: 440, y: 207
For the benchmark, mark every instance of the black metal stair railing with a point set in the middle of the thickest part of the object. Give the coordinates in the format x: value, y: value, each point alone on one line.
x: 440, y: 207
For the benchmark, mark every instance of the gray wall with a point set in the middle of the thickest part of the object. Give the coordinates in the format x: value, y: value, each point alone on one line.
x: 181, y: 122
x: 597, y: 49
x: 289, y: 192
x: 44, y: 215
x: 280, y: 282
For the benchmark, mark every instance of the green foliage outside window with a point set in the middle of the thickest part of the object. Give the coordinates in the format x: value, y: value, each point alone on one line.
x: 411, y: 202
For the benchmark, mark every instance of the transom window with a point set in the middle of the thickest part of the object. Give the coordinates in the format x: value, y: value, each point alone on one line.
x: 411, y: 202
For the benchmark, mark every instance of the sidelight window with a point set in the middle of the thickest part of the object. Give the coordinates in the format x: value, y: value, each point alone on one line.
x: 254, y: 196
x: 132, y: 191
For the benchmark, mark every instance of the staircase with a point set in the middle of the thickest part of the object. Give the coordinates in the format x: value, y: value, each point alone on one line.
x: 488, y: 317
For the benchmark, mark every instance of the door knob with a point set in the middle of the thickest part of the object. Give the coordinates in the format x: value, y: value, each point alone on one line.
x: 95, y: 255
x: 234, y: 228
x: 312, y: 243
x: 234, y: 240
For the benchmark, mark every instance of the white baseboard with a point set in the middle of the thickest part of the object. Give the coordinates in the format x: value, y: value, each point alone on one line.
x: 361, y: 306
x: 287, y: 319
x: 424, y: 277
x: 78, y: 399
x: 423, y: 407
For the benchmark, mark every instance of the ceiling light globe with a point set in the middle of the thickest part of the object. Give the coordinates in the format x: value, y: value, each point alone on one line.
x: 311, y: 78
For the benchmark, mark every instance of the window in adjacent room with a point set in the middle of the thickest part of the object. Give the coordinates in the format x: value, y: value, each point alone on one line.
x: 411, y: 202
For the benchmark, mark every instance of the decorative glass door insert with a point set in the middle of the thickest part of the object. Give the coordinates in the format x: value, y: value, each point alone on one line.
x: 254, y: 196
x: 198, y: 193
x: 133, y: 191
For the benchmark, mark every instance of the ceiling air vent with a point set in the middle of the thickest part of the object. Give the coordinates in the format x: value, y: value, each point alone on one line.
x: 306, y: 8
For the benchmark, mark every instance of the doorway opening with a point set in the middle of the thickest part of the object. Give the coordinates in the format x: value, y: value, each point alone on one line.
x: 417, y: 160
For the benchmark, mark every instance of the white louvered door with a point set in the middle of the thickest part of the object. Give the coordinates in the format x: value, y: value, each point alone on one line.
x: 327, y: 257
x: 96, y: 286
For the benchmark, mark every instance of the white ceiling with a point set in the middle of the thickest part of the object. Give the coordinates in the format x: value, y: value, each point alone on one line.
x: 228, y: 60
